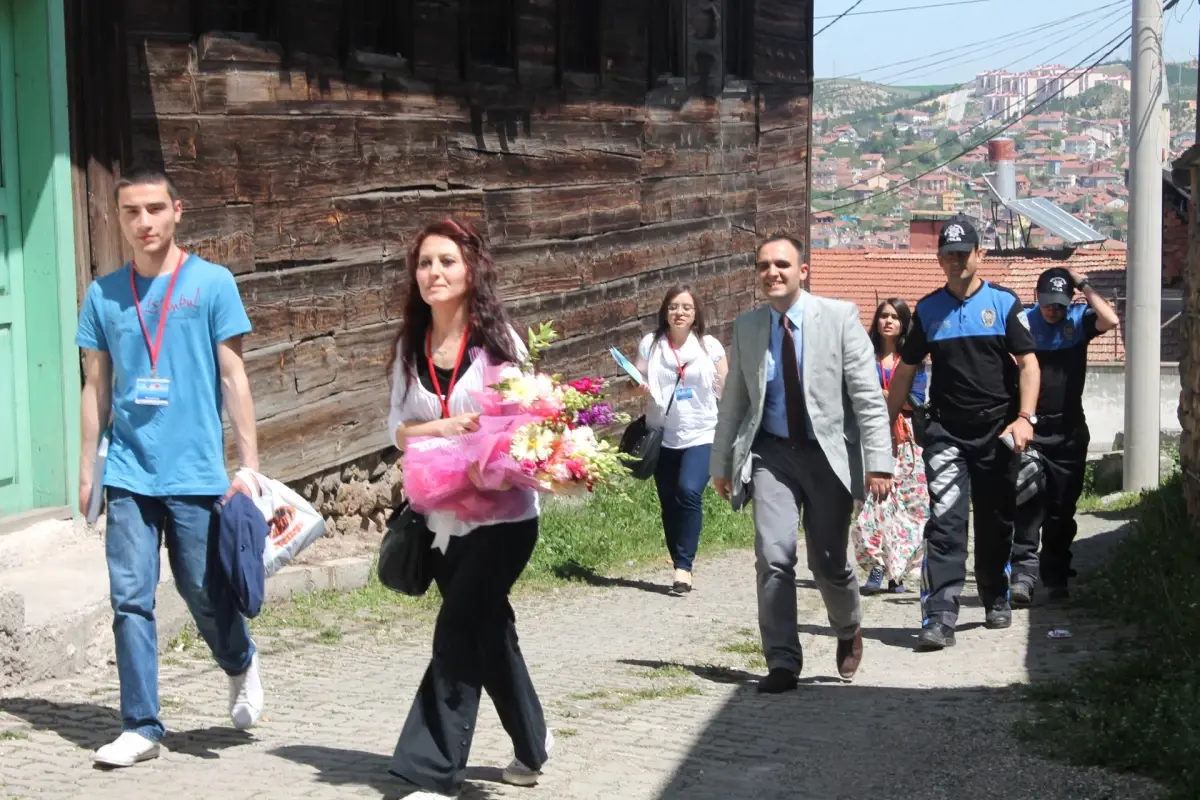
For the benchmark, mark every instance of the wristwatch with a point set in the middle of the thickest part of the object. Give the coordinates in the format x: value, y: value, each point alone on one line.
x: 1030, y: 418
x: 1082, y: 283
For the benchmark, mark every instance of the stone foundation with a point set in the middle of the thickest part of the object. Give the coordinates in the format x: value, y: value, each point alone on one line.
x: 356, y: 498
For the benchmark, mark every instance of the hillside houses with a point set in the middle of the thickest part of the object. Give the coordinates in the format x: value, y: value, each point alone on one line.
x: 910, y: 158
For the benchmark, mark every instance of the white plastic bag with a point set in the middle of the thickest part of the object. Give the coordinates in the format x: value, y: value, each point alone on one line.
x: 292, y: 523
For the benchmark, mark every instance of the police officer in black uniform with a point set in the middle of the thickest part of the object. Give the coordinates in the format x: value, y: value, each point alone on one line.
x: 1050, y: 479
x: 982, y: 400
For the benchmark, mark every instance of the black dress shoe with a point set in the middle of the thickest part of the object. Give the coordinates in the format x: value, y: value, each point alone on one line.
x: 1060, y: 593
x: 778, y: 680
x: 679, y: 589
x: 1021, y: 593
x: 935, y: 636
x: 998, y: 615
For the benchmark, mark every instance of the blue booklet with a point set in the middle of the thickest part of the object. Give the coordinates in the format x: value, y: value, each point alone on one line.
x: 625, y: 364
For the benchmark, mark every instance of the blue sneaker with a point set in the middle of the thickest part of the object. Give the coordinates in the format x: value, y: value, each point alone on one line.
x: 874, y: 581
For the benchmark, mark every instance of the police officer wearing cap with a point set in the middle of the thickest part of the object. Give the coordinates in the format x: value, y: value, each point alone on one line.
x: 1050, y: 479
x: 983, y: 394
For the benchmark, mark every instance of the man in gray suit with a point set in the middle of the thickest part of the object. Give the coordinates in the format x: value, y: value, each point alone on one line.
x: 802, y: 389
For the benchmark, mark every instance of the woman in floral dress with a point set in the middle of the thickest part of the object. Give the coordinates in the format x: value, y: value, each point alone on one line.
x: 889, y: 536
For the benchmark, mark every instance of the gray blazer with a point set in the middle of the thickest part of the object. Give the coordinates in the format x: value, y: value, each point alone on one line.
x: 841, y: 387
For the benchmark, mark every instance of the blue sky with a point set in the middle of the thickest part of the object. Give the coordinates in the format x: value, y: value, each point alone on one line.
x: 863, y: 46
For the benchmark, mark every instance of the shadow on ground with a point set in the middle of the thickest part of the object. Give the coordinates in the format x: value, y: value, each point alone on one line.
x: 833, y: 740
x: 573, y: 571
x: 355, y: 768
x: 90, y: 726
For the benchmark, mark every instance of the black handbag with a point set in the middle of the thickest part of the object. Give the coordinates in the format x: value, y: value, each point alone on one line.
x: 641, y: 443
x: 406, y: 553
x: 920, y: 419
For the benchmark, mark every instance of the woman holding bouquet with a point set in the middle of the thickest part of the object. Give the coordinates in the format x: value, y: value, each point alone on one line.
x: 888, y: 536
x: 685, y: 370
x: 454, y: 324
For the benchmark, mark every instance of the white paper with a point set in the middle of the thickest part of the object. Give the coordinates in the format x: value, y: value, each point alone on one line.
x: 97, y: 495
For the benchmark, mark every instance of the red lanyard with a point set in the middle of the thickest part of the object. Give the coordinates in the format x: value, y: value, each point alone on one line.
x: 433, y: 378
x: 885, y: 374
x: 155, y: 347
x: 682, y: 366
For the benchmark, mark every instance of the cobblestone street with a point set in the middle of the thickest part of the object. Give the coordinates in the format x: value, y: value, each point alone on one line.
x: 650, y: 697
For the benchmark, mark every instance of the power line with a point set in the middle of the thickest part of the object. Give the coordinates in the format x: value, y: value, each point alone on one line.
x: 990, y: 40
x: 991, y: 134
x: 903, y: 8
x: 845, y: 13
x: 1002, y: 47
x: 986, y: 119
x: 993, y: 45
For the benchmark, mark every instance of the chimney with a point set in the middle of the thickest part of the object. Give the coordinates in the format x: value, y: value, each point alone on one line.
x: 1002, y: 154
x: 923, y: 232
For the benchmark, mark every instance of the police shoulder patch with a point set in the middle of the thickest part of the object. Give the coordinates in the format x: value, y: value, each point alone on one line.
x: 1024, y: 320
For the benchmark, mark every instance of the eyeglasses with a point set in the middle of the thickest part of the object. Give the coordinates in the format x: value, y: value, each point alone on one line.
x: 685, y: 309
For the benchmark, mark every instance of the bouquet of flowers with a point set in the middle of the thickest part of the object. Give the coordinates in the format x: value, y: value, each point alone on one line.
x: 535, y: 431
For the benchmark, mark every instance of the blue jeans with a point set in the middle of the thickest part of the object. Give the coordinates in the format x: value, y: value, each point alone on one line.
x: 136, y: 526
x: 681, y: 476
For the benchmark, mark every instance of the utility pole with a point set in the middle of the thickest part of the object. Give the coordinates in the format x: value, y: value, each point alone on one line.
x: 1143, y: 270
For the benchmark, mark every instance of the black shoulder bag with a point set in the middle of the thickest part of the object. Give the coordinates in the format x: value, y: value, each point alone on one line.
x: 641, y: 443
x: 406, y: 553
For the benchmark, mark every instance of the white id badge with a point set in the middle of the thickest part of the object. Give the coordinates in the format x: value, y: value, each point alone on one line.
x: 684, y: 393
x: 152, y: 391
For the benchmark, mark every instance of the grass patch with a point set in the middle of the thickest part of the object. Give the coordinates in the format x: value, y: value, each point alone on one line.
x: 750, y: 649
x: 13, y: 736
x: 616, y: 529
x: 565, y: 732
x: 1136, y: 712
x: 664, y: 672
x: 668, y: 692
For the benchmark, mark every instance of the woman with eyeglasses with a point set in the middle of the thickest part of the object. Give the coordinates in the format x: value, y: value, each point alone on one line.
x: 888, y: 536
x: 685, y: 371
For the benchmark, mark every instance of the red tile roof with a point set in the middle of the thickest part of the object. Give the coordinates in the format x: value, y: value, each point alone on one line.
x: 865, y: 277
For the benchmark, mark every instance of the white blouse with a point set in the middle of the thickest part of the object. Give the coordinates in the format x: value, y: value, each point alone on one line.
x: 693, y: 417
x: 418, y: 404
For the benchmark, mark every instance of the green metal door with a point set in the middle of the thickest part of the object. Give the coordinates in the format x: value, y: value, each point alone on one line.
x: 16, y: 488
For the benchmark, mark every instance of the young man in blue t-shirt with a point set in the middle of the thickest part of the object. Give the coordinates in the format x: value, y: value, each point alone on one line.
x: 162, y: 338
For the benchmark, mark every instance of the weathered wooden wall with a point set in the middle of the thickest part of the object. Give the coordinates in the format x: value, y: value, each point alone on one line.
x: 307, y: 179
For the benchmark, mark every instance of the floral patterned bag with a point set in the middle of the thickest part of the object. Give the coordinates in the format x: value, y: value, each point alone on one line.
x: 891, y: 534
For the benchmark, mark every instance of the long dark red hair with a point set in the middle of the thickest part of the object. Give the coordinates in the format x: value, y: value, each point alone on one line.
x: 490, y: 327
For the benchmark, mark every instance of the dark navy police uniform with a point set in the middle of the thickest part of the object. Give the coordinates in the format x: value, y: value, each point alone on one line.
x: 1050, y: 479
x: 973, y: 396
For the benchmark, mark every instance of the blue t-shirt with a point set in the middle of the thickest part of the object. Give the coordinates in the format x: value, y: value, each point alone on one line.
x: 177, y: 449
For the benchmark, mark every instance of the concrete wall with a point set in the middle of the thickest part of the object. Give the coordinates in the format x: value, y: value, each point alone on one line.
x: 1104, y: 402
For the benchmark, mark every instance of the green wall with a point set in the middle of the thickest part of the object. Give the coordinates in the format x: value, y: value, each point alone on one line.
x: 48, y: 249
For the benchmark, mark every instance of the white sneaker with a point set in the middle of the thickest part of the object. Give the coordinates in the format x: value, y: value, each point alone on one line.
x: 517, y: 774
x: 246, y: 697
x: 127, y: 750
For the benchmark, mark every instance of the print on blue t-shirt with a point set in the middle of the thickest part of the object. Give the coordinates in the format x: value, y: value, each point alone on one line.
x: 177, y: 449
